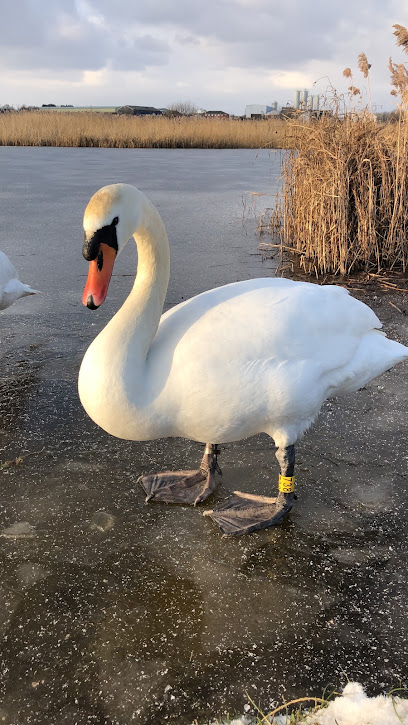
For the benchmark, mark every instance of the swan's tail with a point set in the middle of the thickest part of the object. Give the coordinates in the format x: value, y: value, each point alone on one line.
x: 375, y: 354
x: 13, y: 291
x: 27, y: 290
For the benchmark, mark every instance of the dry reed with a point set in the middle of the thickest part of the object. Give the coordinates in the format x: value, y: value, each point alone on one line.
x: 401, y: 35
x: 344, y: 203
x: 30, y: 128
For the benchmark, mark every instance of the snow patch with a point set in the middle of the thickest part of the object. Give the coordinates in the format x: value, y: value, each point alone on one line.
x: 353, y: 707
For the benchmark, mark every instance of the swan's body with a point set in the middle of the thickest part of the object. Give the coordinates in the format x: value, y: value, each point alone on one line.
x: 11, y: 289
x: 250, y: 357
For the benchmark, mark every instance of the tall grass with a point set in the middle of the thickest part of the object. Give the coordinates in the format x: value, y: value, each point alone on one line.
x: 344, y: 205
x: 32, y: 128
x: 344, y: 202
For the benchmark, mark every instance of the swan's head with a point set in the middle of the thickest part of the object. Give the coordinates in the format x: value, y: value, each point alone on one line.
x: 110, y: 219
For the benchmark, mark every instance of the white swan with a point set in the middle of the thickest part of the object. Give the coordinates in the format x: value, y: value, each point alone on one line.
x: 10, y: 286
x: 250, y: 357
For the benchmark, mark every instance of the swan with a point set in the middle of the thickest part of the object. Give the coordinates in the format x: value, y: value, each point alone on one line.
x: 258, y: 356
x: 10, y: 286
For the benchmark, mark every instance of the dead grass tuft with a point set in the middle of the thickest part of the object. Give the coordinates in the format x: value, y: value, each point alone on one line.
x: 344, y: 203
x: 399, y: 80
x: 401, y: 34
x: 363, y: 64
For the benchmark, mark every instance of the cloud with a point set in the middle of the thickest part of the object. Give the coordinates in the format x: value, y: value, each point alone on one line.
x: 219, y: 49
x: 68, y: 35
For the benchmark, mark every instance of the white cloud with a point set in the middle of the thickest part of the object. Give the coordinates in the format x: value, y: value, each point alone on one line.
x: 88, y: 13
x: 69, y: 29
x: 226, y: 53
x: 94, y: 78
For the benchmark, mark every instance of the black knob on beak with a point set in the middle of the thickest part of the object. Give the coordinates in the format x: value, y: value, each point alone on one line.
x: 90, y: 303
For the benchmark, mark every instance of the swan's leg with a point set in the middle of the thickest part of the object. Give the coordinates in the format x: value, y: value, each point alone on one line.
x: 243, y: 512
x: 190, y: 487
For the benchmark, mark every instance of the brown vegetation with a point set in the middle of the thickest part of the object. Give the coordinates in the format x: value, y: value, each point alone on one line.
x: 344, y: 203
x: 44, y: 128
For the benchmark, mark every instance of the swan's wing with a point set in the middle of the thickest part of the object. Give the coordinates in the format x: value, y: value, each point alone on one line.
x: 263, y: 319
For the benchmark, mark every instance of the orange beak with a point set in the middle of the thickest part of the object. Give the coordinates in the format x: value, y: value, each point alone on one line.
x: 100, y: 271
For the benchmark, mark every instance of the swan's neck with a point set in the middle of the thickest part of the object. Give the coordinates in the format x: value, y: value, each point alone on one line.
x: 114, y: 376
x: 136, y: 322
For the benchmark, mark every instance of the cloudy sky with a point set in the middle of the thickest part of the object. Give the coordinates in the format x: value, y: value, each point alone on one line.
x: 214, y: 53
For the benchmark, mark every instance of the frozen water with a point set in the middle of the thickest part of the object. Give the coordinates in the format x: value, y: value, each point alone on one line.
x: 105, y: 622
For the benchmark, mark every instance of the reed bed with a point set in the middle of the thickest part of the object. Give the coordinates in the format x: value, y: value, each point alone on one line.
x: 344, y: 201
x: 45, y: 128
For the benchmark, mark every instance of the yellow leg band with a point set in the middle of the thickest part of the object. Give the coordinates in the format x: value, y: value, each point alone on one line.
x: 286, y: 484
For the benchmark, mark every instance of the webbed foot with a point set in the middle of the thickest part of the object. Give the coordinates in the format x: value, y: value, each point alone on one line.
x: 243, y: 513
x: 188, y: 487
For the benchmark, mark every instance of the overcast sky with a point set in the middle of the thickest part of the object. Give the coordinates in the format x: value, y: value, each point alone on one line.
x: 217, y: 54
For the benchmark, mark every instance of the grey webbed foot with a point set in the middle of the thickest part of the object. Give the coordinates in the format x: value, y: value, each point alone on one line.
x: 187, y: 487
x: 243, y: 513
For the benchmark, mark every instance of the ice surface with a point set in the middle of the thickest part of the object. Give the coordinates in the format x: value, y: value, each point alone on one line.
x: 103, y: 620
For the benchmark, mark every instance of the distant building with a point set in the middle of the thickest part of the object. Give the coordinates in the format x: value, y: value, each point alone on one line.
x: 257, y: 110
x: 215, y: 114
x: 303, y: 99
x: 305, y: 102
x: 139, y: 110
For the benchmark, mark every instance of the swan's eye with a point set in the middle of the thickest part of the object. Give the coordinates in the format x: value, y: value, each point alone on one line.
x: 115, y: 221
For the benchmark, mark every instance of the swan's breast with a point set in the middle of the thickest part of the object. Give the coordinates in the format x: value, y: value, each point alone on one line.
x: 114, y: 398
